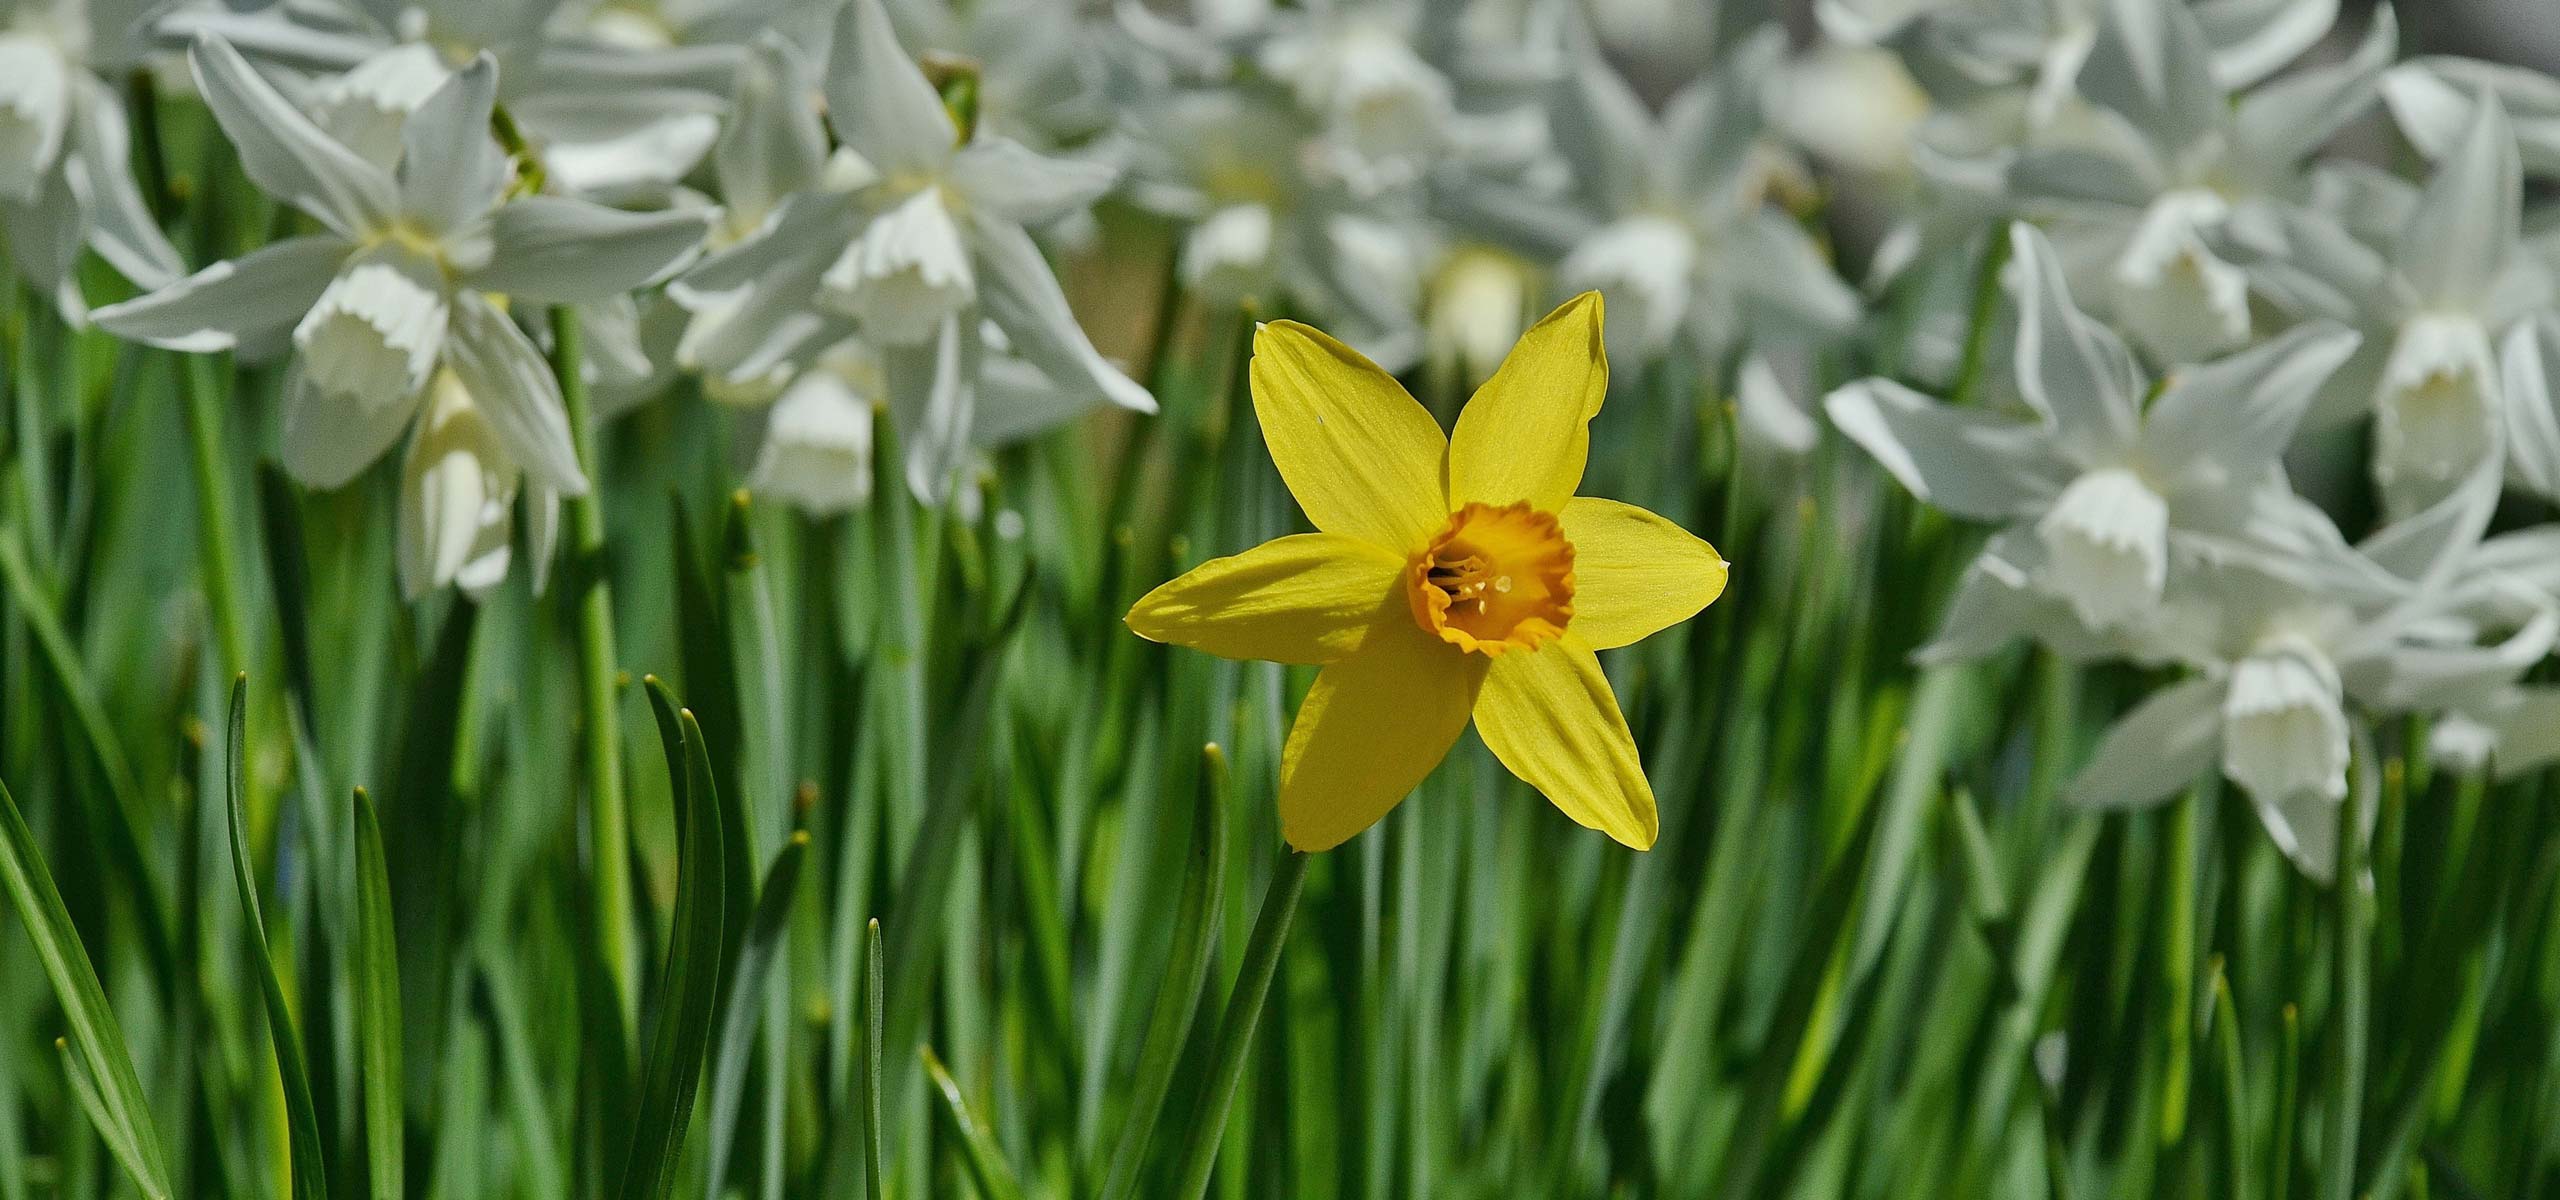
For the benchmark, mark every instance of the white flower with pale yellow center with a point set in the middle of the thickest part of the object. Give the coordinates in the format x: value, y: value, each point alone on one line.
x: 613, y: 112
x: 914, y: 236
x: 405, y: 288
x: 1667, y: 214
x: 66, y: 177
x: 2290, y: 652
x: 2112, y: 489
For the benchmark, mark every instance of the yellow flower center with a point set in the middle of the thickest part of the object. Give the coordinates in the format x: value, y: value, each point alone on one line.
x: 1494, y: 578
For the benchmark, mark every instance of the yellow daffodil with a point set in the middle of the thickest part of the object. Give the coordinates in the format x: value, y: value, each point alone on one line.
x: 1451, y: 576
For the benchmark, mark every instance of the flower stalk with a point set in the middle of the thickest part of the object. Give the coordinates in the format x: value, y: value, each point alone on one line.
x: 1244, y: 1012
x: 608, y: 821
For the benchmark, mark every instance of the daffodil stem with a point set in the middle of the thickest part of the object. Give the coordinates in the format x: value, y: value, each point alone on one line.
x: 1978, y: 322
x: 608, y: 822
x: 2353, y: 1014
x: 1244, y: 1012
x: 216, y: 558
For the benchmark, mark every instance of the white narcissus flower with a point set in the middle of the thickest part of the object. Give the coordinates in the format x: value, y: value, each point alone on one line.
x: 1232, y: 165
x: 66, y: 174
x: 817, y: 441
x: 915, y: 236
x: 2179, y: 158
x: 1668, y: 217
x: 458, y: 489
x: 405, y: 285
x: 2288, y: 653
x: 2110, y: 489
x: 2445, y: 287
x: 610, y: 118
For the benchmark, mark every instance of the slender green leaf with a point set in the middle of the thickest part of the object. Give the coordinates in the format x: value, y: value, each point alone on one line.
x: 683, y: 1025
x: 377, y: 975
x: 302, y: 1117
x: 978, y: 1147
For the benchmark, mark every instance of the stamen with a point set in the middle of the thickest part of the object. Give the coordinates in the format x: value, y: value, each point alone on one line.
x: 1494, y: 578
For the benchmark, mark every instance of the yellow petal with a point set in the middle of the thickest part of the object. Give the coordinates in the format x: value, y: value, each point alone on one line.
x: 1360, y: 454
x: 1550, y: 717
x: 1373, y: 725
x: 1306, y: 598
x: 1527, y: 431
x: 1634, y: 573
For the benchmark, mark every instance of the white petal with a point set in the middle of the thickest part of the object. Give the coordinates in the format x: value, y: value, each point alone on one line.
x: 247, y: 300
x: 2152, y: 65
x: 1643, y: 266
x: 327, y: 439
x: 933, y: 392
x: 2253, y: 39
x: 773, y: 145
x: 375, y: 332
x: 1007, y: 180
x: 2289, y: 118
x: 1778, y: 271
x: 367, y: 108
x: 2462, y: 235
x: 2532, y: 410
x: 2228, y: 420
x: 35, y: 114
x: 451, y: 170
x: 878, y: 98
x: 1769, y: 420
x: 2172, y: 292
x: 122, y: 228
x: 2526, y: 731
x: 2107, y: 536
x: 514, y: 386
x: 2071, y: 368
x: 2284, y: 729
x: 562, y: 251
x: 1016, y: 401
x: 2439, y: 413
x: 283, y: 152
x: 2165, y: 744
x: 804, y: 226
x: 620, y: 146
x: 905, y: 274
x: 456, y: 487
x: 1964, y: 460
x: 45, y: 234
x: 817, y: 441
x: 1227, y: 254
x: 1022, y: 297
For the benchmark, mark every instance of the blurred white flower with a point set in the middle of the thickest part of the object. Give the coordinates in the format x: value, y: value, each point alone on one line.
x: 66, y: 175
x: 817, y: 440
x: 2110, y: 489
x: 1855, y: 107
x: 458, y: 490
x: 1667, y: 218
x: 2180, y: 157
x: 616, y: 112
x: 2447, y: 285
x: 2400, y: 623
x: 405, y: 284
x: 913, y: 234
x: 1261, y: 227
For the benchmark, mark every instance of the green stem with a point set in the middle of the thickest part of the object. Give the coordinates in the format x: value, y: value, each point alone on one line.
x: 2178, y: 963
x: 1978, y: 323
x: 608, y: 822
x: 1244, y: 1012
x: 2353, y: 909
x: 216, y: 557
